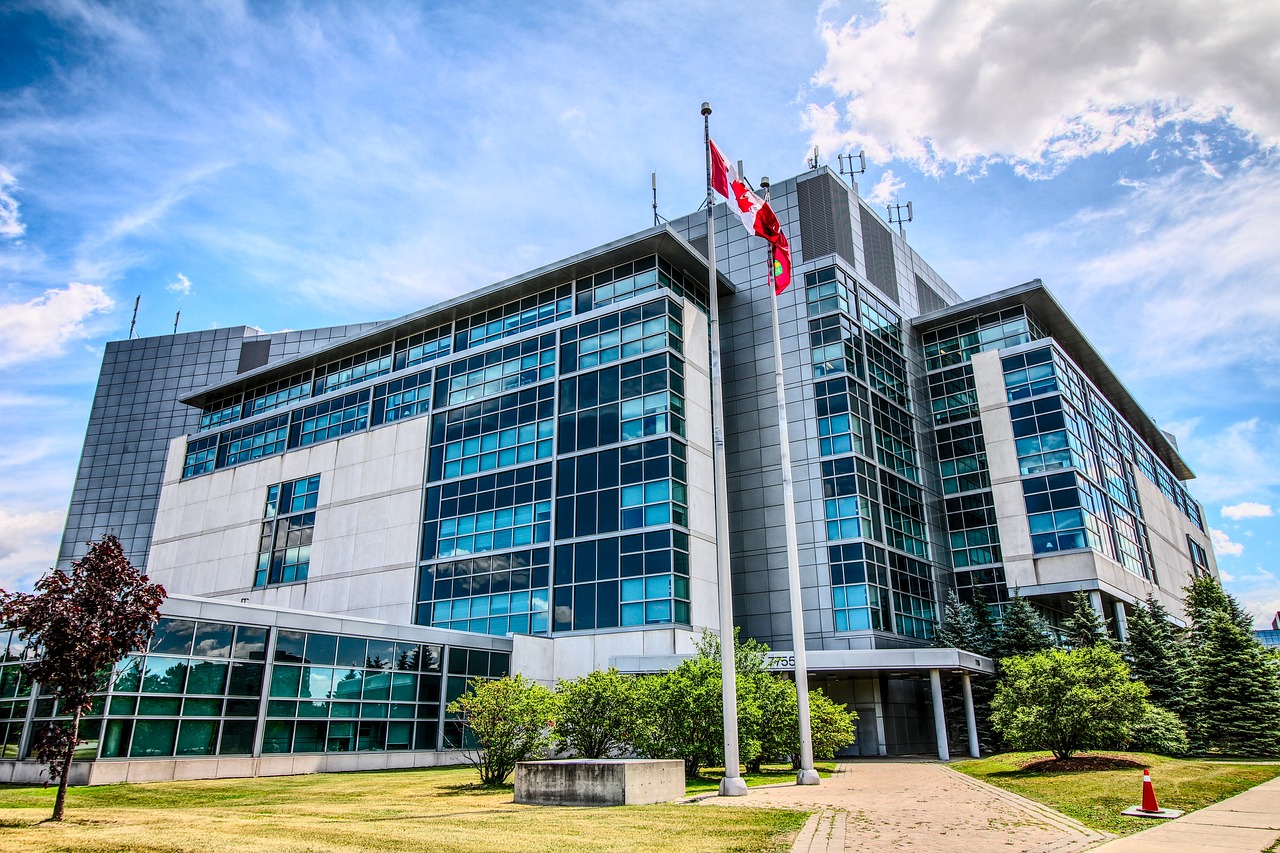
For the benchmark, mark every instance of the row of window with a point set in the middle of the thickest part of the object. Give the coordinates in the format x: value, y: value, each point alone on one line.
x: 861, y: 501
x: 201, y: 688
x: 622, y: 282
x: 1046, y: 371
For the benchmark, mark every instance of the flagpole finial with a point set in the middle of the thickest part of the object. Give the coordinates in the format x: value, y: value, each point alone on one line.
x: 706, y: 108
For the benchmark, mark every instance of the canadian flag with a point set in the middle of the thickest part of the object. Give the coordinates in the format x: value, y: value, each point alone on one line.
x: 755, y: 213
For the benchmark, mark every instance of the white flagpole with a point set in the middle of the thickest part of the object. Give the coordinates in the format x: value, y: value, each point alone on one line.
x: 807, y: 775
x: 732, y: 785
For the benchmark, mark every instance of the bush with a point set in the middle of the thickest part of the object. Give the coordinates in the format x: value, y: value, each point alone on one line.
x: 597, y: 713
x: 1159, y: 731
x: 834, y: 726
x: 511, y: 720
x: 1066, y: 701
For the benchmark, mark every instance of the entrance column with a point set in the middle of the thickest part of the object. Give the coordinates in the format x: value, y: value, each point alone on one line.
x: 969, y: 716
x: 939, y: 717
x: 1122, y: 621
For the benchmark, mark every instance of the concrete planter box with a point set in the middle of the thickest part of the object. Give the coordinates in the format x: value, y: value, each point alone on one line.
x: 599, y: 782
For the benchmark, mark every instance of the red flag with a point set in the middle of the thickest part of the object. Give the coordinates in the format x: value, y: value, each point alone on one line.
x: 755, y: 214
x: 768, y: 227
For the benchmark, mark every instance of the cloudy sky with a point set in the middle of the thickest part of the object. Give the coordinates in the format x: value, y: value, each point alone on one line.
x: 306, y: 164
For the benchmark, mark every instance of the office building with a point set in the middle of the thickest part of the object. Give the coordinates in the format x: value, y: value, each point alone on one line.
x: 519, y: 479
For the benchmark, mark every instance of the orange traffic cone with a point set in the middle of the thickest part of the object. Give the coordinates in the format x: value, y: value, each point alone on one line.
x: 1149, y: 803
x: 1149, y: 807
x: 1148, y: 793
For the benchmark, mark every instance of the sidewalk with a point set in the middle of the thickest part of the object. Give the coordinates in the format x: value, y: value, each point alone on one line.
x: 919, y: 806
x: 1246, y: 823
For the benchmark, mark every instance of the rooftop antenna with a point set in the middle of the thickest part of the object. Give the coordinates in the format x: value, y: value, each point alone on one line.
x: 846, y: 163
x: 175, y: 322
x: 813, y: 161
x: 133, y: 324
x: 895, y: 216
x: 653, y: 180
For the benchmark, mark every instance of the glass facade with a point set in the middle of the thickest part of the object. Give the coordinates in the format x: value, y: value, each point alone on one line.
x: 874, y: 502
x: 968, y: 504
x: 1063, y: 422
x: 556, y: 494
x: 207, y: 688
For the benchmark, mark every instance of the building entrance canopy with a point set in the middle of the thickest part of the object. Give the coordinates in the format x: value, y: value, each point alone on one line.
x: 868, y: 663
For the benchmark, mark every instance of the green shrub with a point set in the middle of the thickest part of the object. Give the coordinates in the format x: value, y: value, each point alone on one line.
x: 1066, y: 701
x: 511, y: 720
x: 1159, y: 731
x: 597, y: 713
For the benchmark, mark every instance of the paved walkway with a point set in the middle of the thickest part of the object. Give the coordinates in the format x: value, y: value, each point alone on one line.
x: 918, y: 806
x: 1246, y: 823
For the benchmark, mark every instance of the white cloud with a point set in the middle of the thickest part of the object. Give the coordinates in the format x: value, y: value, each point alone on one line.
x: 960, y: 85
x: 886, y: 189
x: 1179, y: 275
x: 1247, y: 510
x: 42, y: 326
x: 11, y: 224
x: 28, y: 546
x: 1223, y: 546
x: 180, y: 286
x: 1263, y: 604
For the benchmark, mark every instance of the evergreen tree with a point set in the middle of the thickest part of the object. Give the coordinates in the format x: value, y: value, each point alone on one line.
x: 1085, y: 627
x: 1236, y: 706
x: 1205, y: 597
x: 963, y: 628
x: 1156, y: 657
x: 1022, y: 630
x: 969, y: 627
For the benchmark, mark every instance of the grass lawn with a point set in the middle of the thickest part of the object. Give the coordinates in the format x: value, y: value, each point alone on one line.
x: 708, y: 781
x: 1096, y: 797
x: 416, y: 810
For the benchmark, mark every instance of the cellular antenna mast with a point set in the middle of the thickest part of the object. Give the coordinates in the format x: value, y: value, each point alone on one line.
x: 846, y: 163
x: 653, y: 179
x: 813, y: 161
x: 896, y: 217
x: 133, y: 324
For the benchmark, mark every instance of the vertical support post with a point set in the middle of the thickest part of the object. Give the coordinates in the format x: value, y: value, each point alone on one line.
x: 732, y: 785
x: 1095, y: 598
x: 807, y: 774
x: 939, y: 716
x: 1122, y: 621
x: 970, y: 718
x: 269, y: 656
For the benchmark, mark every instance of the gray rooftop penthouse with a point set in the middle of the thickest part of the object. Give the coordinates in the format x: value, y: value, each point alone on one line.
x: 530, y: 465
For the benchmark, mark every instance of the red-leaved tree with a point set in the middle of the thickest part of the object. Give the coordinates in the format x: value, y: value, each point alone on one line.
x: 83, y: 622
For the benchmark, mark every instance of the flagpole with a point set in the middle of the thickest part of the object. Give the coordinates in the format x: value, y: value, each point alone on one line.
x: 807, y: 775
x: 732, y: 784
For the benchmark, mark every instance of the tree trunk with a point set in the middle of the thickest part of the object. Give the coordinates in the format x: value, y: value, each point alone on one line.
x: 60, y: 802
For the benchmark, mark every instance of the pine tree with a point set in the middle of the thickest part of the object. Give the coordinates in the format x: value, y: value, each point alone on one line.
x: 969, y: 627
x: 1234, y: 701
x: 1156, y: 657
x: 963, y: 628
x: 1022, y: 630
x: 1237, y: 691
x: 1085, y: 627
x: 1205, y: 597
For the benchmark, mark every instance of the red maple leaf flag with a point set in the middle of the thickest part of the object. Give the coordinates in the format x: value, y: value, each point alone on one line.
x: 755, y: 214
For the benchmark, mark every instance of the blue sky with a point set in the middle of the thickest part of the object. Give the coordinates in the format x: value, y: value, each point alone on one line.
x: 306, y: 164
